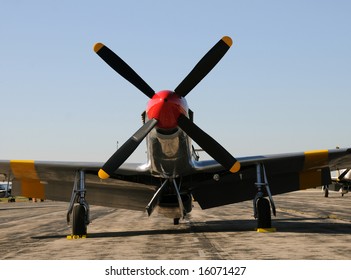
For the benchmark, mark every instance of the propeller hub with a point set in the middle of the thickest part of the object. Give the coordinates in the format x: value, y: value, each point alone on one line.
x: 166, y: 106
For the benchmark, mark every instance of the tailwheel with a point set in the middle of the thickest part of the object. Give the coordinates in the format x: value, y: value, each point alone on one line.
x: 263, y: 213
x: 79, y: 227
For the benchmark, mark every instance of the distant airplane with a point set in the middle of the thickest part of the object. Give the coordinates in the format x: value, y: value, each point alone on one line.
x: 342, y: 182
x: 5, y: 189
x: 173, y: 176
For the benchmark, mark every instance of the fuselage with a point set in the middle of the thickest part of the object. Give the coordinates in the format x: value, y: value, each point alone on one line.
x: 169, y: 148
x: 167, y: 126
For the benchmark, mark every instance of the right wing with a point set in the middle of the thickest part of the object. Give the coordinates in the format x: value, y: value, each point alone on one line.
x: 54, y: 181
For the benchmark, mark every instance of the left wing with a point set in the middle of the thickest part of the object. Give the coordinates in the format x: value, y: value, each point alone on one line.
x: 285, y: 173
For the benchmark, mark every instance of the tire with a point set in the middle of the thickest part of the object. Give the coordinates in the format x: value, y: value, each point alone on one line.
x: 176, y: 221
x: 263, y: 213
x: 78, y: 226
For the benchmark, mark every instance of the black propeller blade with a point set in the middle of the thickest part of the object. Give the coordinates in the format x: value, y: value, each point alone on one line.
x: 123, y: 69
x: 126, y: 150
x: 211, y: 146
x: 204, y: 66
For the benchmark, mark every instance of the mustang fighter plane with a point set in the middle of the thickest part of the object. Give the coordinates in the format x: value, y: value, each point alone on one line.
x: 173, y: 176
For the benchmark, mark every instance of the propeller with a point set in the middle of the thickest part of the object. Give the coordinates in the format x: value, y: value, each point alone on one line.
x: 122, y: 68
x: 204, y: 66
x: 208, y: 144
x: 201, y: 69
x: 126, y: 150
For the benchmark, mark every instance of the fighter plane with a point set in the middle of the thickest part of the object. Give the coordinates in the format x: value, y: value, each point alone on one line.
x: 5, y: 189
x: 173, y: 176
x: 342, y: 182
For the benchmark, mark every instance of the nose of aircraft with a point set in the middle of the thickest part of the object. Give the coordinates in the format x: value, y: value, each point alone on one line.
x: 166, y: 106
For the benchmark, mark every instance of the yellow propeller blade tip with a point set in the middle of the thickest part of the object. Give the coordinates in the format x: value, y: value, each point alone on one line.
x: 228, y: 40
x: 235, y: 168
x: 98, y: 46
x: 102, y: 174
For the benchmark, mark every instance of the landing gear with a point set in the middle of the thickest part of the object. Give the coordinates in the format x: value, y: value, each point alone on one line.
x: 79, y: 207
x: 176, y: 221
x: 262, y: 206
x: 344, y: 189
x: 263, y: 213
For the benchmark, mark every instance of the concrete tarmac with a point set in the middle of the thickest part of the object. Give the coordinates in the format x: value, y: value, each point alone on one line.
x: 309, y: 226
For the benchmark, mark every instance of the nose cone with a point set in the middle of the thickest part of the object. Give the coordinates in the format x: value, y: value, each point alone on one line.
x: 166, y: 106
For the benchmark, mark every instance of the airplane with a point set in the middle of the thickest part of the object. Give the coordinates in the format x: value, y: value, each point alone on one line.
x: 342, y: 182
x: 5, y: 189
x: 5, y: 186
x: 173, y: 176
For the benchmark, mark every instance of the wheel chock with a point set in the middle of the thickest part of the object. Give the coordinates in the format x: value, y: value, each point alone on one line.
x: 70, y: 237
x: 266, y: 229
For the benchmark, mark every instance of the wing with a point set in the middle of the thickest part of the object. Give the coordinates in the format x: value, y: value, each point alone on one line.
x: 132, y: 187
x: 54, y: 181
x: 285, y: 173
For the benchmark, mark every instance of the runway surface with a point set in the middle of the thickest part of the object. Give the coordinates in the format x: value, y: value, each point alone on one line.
x: 309, y: 226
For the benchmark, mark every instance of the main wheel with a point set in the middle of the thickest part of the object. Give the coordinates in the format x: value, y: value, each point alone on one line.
x: 78, y: 226
x: 263, y: 213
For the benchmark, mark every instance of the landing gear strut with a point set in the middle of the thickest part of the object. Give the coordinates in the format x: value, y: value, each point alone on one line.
x: 262, y: 206
x: 79, y: 206
x: 180, y: 202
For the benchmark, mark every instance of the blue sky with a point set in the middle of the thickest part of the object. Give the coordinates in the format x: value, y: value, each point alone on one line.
x: 284, y: 86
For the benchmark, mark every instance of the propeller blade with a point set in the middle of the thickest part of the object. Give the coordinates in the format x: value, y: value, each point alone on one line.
x: 204, y: 66
x: 208, y: 144
x: 121, y: 155
x: 122, y: 68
